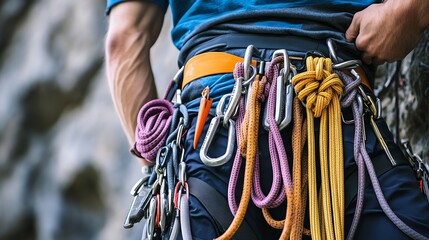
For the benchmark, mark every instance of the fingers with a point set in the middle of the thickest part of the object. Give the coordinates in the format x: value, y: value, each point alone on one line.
x: 370, y: 59
x: 354, y: 28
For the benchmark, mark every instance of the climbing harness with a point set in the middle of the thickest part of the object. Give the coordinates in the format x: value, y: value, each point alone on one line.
x: 266, y: 98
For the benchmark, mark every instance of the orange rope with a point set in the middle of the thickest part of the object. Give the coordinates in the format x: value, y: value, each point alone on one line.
x: 248, y: 145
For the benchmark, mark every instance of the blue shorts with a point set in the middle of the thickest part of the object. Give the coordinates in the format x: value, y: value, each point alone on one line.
x: 399, y: 184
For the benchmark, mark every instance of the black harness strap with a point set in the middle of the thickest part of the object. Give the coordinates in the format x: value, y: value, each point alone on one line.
x: 218, y: 208
x: 381, y: 166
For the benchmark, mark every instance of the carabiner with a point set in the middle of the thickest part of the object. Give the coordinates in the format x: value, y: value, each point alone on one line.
x: 284, y: 99
x: 360, y: 106
x: 286, y: 63
x: 351, y: 64
x: 288, y: 102
x: 233, y: 101
x: 152, y: 218
x: 250, y: 51
x: 214, y: 162
x: 332, y: 46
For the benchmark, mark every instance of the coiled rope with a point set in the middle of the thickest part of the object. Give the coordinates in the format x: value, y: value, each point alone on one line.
x: 319, y: 89
x: 153, y: 123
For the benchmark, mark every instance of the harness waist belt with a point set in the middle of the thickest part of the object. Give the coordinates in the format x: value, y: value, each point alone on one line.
x: 211, y: 63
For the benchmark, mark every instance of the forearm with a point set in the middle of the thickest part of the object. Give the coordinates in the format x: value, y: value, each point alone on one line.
x: 133, y: 28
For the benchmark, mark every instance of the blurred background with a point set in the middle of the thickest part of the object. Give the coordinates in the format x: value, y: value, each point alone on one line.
x: 65, y: 166
x: 65, y: 169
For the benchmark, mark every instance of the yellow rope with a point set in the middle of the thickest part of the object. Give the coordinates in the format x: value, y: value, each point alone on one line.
x: 319, y: 89
x: 248, y: 145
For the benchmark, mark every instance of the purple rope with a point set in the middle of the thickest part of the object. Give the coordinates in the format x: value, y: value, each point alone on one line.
x: 360, y: 154
x: 153, y: 122
x: 237, y: 161
x: 238, y: 72
x: 349, y: 96
x: 383, y: 203
x: 279, y: 161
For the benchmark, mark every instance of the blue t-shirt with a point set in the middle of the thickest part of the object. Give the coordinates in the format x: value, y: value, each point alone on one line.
x: 198, y: 21
x: 267, y: 16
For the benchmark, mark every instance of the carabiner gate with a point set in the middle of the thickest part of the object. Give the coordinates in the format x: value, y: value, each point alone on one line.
x: 214, y: 162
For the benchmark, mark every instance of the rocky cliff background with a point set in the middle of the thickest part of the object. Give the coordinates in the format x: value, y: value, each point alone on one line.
x: 65, y: 170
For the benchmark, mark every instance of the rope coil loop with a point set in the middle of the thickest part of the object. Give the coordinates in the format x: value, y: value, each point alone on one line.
x: 153, y: 121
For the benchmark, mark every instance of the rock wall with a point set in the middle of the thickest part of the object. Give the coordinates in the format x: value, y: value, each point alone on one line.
x: 65, y: 170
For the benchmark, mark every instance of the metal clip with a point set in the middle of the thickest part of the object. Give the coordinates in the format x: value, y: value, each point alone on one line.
x: 284, y: 96
x: 140, y: 203
x: 370, y: 104
x: 152, y: 218
x: 288, y: 102
x: 234, y: 100
x: 360, y: 106
x: 214, y: 162
x: 248, y: 67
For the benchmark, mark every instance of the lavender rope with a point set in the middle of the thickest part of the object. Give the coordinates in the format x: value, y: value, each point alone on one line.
x: 350, y: 92
x: 363, y: 154
x: 153, y: 123
x: 279, y: 161
x: 238, y: 72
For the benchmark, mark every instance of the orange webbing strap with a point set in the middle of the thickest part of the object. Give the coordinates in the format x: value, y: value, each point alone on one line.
x: 210, y: 63
x: 248, y: 135
x: 319, y: 88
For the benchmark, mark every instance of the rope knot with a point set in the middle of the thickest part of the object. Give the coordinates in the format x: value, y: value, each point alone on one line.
x: 318, y: 85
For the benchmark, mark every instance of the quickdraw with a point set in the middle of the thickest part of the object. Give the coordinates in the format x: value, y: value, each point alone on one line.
x: 162, y: 198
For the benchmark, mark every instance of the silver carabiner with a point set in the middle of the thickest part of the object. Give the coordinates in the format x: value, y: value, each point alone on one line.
x: 286, y: 63
x: 284, y: 95
x: 360, y: 106
x: 151, y: 219
x: 233, y: 101
x: 164, y: 206
x: 288, y: 102
x: 332, y: 46
x: 250, y: 51
x: 214, y: 162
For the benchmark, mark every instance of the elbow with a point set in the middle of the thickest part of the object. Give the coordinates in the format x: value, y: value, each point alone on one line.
x: 120, y: 40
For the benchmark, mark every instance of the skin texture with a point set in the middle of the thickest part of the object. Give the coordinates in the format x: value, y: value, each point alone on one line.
x: 388, y: 31
x: 133, y: 28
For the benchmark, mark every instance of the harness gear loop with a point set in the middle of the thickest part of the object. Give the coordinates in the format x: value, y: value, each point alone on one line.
x: 319, y: 88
